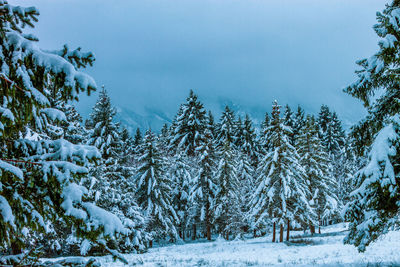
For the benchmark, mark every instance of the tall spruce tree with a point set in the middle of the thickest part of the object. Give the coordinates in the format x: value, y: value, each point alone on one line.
x: 45, y: 187
x: 289, y: 121
x: 321, y: 186
x: 189, y: 126
x: 180, y: 172
x: 112, y: 184
x: 205, y: 187
x: 226, y: 128
x: 281, y: 183
x: 298, y: 122
x: 374, y: 206
x: 154, y: 189
x: 226, y: 200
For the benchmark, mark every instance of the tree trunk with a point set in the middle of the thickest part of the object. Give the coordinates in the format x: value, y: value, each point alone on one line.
x: 16, y: 249
x: 208, y: 232
x: 319, y: 223
x: 254, y: 233
x: 281, y: 234
x: 227, y: 235
x: 150, y: 243
x: 288, y: 230
x: 274, y: 233
x: 194, y: 232
x: 312, y: 229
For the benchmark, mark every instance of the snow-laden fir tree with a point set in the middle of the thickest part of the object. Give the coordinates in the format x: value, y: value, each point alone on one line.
x: 137, y: 139
x: 288, y: 120
x: 298, y: 122
x: 112, y: 184
x: 265, y: 140
x: 46, y: 187
x: 226, y: 204
x: 204, y: 189
x: 347, y: 164
x: 180, y: 173
x: 333, y: 138
x: 321, y: 185
x: 374, y: 207
x: 188, y: 127
x: 238, y: 132
x: 226, y: 128
x: 280, y: 194
x: 246, y: 184
x: 250, y: 146
x: 154, y: 189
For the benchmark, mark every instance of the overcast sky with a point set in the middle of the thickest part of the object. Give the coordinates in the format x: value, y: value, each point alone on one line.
x: 151, y: 52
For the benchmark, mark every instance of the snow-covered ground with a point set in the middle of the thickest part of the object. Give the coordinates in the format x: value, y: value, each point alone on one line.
x: 326, y: 249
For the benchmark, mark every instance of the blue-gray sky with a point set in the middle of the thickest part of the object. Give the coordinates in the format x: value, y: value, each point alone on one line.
x: 150, y: 53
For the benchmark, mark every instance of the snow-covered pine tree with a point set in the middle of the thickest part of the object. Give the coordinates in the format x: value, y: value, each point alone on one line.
x: 226, y: 204
x: 250, y: 146
x: 246, y: 184
x: 45, y: 185
x: 226, y: 128
x: 333, y: 137
x: 112, y: 183
x: 289, y: 121
x: 265, y: 141
x: 281, y: 184
x: 348, y: 164
x: 374, y: 207
x: 154, y: 190
x: 188, y: 126
x: 298, y: 122
x: 238, y: 132
x: 180, y: 174
x: 137, y: 139
x: 187, y: 133
x: 210, y: 124
x: 204, y: 187
x: 105, y: 132
x: 321, y: 185
x: 324, y: 117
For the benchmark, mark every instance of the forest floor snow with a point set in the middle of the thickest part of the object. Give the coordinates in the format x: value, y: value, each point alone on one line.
x: 326, y: 249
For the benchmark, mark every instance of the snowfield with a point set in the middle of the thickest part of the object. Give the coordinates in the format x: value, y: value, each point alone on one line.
x: 326, y: 249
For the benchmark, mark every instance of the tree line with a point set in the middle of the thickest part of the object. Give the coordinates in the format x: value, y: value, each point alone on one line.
x: 75, y: 188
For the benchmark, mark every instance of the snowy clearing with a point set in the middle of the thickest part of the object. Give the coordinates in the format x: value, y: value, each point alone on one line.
x: 326, y: 249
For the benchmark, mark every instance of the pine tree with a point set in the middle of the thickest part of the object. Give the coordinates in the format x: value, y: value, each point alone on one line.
x: 188, y: 126
x: 154, y: 189
x: 226, y: 128
x: 333, y: 138
x: 324, y: 117
x: 180, y: 172
x: 205, y: 188
x: 45, y: 187
x: 281, y: 183
x: 105, y: 133
x: 137, y: 140
x: 112, y: 183
x: 289, y: 121
x: 298, y: 122
x: 265, y: 140
x: 250, y: 146
x: 322, y: 187
x: 238, y: 132
x: 374, y: 207
x: 226, y: 201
